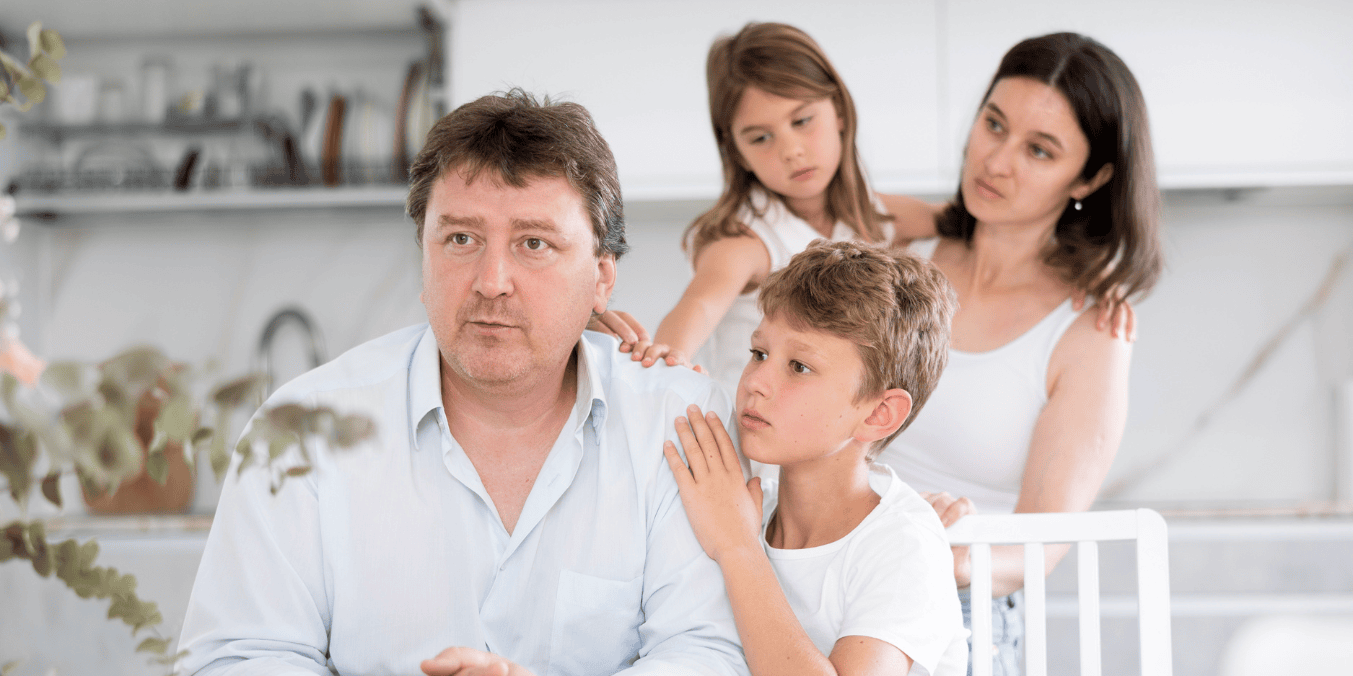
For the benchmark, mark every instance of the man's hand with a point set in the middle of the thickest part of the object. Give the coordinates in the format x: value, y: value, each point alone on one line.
x: 725, y: 513
x: 950, y: 511
x: 470, y: 662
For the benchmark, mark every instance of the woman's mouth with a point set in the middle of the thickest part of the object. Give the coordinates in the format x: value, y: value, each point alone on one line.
x: 986, y: 190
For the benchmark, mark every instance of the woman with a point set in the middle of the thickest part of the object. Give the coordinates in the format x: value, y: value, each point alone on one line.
x: 1057, y: 197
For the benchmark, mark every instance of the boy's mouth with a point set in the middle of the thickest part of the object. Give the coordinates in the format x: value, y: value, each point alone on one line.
x: 750, y: 420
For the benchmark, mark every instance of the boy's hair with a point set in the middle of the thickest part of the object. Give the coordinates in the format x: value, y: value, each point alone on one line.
x: 780, y: 60
x: 895, y: 307
x: 517, y: 138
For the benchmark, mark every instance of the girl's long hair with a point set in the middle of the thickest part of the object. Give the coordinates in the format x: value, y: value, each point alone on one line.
x: 1111, y: 247
x: 784, y: 61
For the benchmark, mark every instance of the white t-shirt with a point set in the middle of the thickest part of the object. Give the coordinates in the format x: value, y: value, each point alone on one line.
x: 891, y: 578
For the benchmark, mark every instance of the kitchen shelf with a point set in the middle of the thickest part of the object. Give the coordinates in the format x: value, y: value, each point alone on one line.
x: 56, y: 132
x: 392, y: 196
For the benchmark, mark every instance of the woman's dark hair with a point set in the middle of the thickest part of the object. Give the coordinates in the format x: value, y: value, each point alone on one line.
x: 781, y: 60
x: 1111, y: 247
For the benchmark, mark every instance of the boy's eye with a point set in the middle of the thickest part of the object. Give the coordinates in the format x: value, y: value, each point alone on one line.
x: 799, y: 367
x: 758, y: 355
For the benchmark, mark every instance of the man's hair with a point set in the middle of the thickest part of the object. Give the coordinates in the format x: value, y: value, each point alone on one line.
x: 516, y: 139
x: 895, y: 307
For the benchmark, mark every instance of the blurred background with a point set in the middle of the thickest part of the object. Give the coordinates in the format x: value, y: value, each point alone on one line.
x: 226, y: 181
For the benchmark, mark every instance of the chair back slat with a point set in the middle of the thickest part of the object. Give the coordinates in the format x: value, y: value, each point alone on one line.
x: 1035, y: 611
x: 980, y: 602
x: 1086, y: 529
x: 1153, y: 593
x: 1087, y: 568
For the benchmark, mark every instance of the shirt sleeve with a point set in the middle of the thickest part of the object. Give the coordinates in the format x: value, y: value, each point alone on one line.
x: 900, y: 589
x: 688, y: 623
x: 259, y: 603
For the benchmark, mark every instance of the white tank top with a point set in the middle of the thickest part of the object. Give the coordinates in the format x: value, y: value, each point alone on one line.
x: 972, y: 437
x: 726, y: 352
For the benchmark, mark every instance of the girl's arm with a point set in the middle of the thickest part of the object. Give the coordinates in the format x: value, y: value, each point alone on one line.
x: 1074, y: 441
x: 912, y: 218
x: 726, y: 517
x: 724, y: 269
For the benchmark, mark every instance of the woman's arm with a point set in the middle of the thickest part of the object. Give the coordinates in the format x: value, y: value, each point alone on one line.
x: 726, y: 517
x: 1074, y: 441
x: 724, y: 269
x: 912, y: 218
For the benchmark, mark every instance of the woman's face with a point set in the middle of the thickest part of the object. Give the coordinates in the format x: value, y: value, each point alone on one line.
x: 1025, y: 155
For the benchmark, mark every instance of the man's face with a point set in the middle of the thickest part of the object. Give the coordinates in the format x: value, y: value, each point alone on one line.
x: 509, y: 276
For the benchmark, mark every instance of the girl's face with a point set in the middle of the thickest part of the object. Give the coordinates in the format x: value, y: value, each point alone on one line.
x: 1025, y: 155
x: 793, y: 146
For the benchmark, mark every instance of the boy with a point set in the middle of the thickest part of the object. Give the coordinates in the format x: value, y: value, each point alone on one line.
x: 853, y: 341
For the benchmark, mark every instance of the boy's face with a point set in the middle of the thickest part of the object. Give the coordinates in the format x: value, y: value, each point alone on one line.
x: 796, y: 400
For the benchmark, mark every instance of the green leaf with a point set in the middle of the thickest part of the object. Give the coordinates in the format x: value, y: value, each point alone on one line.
x: 2, y: 128
x: 32, y: 89
x: 34, y: 38
x: 18, y: 451
x: 159, y: 646
x: 9, y: 668
x: 157, y: 466
x: 239, y: 391
x: 176, y: 419
x: 70, y: 379
x: 220, y: 458
x: 51, y: 488
x: 46, y: 68
x: 350, y: 430
x: 137, y: 369
x: 299, y: 471
x: 170, y: 659
x: 50, y: 42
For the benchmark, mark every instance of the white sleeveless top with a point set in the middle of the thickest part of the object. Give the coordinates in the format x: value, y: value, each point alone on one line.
x: 726, y: 352
x: 972, y: 436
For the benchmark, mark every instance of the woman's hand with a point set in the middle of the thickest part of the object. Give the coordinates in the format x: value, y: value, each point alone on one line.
x: 725, y: 513
x: 950, y: 511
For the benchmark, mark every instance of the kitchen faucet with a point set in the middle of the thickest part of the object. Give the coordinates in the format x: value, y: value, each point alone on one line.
x: 314, y: 341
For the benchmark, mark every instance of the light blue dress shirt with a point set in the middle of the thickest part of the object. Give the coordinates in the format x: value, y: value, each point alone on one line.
x: 387, y: 554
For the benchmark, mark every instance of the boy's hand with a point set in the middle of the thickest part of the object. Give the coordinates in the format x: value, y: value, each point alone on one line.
x: 950, y: 511
x: 725, y: 513
x: 461, y: 661
x: 622, y: 325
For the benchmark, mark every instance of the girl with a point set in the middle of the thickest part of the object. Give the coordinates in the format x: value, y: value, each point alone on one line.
x: 785, y: 126
x: 1057, y: 197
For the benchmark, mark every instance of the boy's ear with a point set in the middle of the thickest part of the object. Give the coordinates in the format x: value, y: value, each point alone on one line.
x: 888, y: 415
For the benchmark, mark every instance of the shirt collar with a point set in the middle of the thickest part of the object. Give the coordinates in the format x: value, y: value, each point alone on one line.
x: 425, y: 385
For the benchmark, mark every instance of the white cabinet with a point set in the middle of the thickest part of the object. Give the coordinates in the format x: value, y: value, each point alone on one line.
x: 639, y: 67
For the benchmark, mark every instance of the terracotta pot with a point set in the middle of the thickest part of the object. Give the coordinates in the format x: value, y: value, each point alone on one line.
x: 141, y: 494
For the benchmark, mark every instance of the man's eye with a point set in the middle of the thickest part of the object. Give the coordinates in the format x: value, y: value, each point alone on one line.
x: 758, y: 355
x: 460, y: 239
x: 535, y: 244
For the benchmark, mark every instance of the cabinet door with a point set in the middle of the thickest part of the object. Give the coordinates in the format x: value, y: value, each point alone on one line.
x: 639, y: 67
x: 1238, y: 92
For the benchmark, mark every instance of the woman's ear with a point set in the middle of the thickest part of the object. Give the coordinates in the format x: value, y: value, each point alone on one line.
x: 1087, y: 188
x: 888, y: 415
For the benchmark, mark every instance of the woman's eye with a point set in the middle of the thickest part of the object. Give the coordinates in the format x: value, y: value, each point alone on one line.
x: 758, y: 355
x: 799, y: 367
x: 1039, y: 152
x: 535, y: 244
x: 460, y: 239
x: 993, y: 124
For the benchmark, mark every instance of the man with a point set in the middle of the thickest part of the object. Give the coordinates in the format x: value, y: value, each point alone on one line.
x: 514, y: 514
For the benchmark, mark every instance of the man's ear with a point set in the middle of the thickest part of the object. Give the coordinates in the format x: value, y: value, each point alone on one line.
x: 605, y: 281
x: 1096, y: 182
x: 888, y: 415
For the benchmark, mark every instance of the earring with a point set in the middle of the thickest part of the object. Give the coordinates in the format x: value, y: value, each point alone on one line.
x: 1077, y: 205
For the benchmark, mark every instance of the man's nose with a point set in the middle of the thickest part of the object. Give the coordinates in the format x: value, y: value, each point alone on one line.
x: 493, y: 276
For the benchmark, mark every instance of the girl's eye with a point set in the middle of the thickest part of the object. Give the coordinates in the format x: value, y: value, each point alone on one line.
x: 756, y: 140
x: 803, y: 120
x: 758, y: 355
x: 535, y: 244
x: 799, y: 367
x: 460, y: 239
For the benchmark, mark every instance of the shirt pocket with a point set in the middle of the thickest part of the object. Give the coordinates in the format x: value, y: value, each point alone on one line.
x: 596, y: 624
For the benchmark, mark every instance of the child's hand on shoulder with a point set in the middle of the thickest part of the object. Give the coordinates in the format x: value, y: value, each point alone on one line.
x: 724, y: 512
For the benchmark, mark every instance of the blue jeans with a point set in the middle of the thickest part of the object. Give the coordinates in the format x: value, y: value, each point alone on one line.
x: 1007, y: 632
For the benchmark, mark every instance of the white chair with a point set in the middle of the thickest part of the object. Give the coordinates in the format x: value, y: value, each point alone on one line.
x: 1086, y: 529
